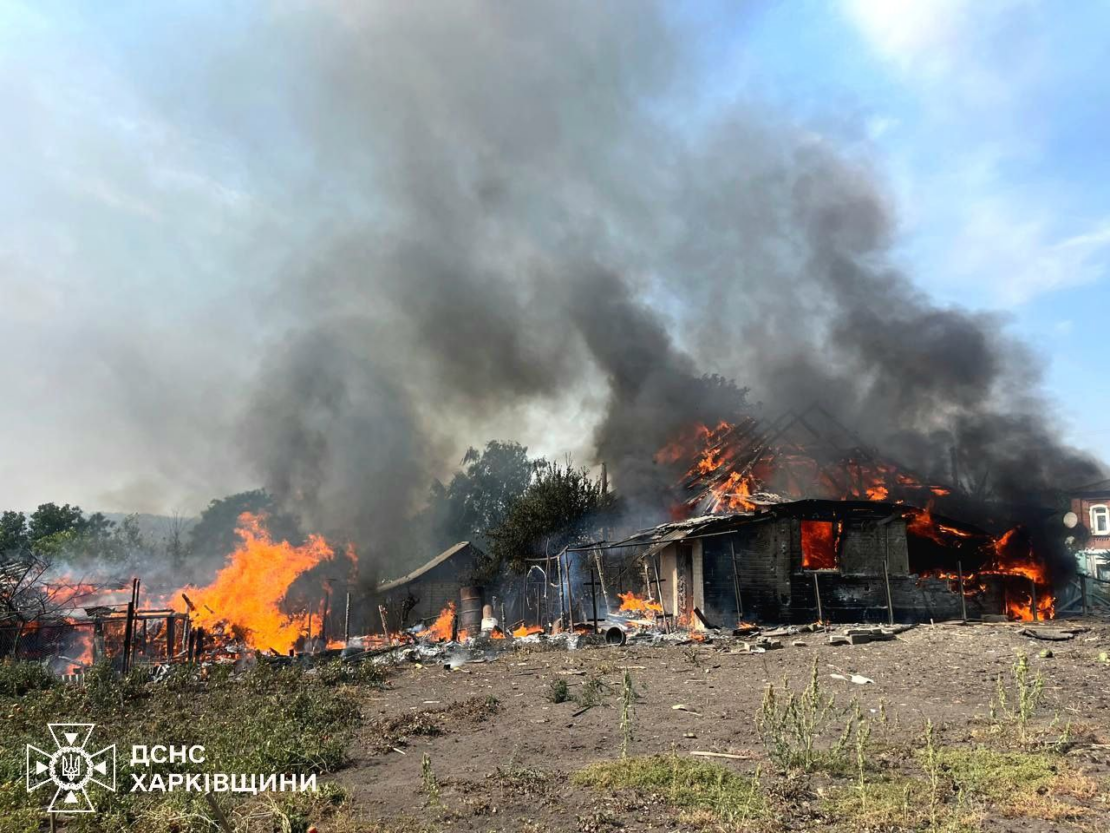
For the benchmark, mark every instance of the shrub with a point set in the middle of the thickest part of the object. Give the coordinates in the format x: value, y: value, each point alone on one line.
x: 18, y: 678
x: 793, y: 725
x: 558, y: 691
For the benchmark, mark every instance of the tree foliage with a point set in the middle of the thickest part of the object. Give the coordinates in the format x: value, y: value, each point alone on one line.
x: 561, y: 505
x: 214, y: 535
x: 51, y: 520
x: 56, y: 533
x: 14, y: 538
x: 478, y: 498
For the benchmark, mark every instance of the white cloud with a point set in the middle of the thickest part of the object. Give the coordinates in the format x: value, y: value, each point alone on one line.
x: 1015, y: 258
x: 969, y: 53
x: 972, y: 161
x: 910, y: 32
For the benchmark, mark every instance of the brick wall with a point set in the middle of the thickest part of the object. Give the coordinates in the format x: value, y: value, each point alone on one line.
x: 1081, y: 506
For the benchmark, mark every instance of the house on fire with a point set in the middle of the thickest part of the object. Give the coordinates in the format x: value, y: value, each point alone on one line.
x: 773, y: 564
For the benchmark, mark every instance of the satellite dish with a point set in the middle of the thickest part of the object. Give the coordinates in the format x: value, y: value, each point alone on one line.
x: 1070, y: 520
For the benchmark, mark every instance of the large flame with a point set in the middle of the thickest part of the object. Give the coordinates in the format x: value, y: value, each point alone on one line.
x: 1014, y: 556
x: 247, y: 594
x: 820, y: 545
x: 1011, y: 557
x: 730, y: 466
x: 631, y: 603
x: 440, y: 630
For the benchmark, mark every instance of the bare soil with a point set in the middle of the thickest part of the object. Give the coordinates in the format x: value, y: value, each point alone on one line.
x: 506, y: 768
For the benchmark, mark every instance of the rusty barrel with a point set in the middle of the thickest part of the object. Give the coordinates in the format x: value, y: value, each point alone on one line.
x: 470, y: 610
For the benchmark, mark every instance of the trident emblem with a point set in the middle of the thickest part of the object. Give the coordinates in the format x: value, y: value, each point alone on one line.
x: 71, y: 768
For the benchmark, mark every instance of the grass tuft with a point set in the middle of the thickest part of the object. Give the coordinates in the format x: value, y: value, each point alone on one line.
x: 682, y: 783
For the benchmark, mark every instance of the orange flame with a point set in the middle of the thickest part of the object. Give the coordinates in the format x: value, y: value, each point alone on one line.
x: 80, y: 649
x: 440, y: 629
x: 527, y: 630
x: 248, y: 591
x: 727, y: 467
x: 631, y: 603
x: 820, y: 545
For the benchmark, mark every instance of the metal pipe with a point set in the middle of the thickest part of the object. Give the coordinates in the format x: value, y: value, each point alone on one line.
x: 347, y: 620
x: 817, y: 593
x: 128, y: 636
x: 570, y: 593
x: 889, y: 602
x: 963, y: 595
x: 615, y: 635
x: 385, y: 625
x: 736, y: 584
x: 593, y: 599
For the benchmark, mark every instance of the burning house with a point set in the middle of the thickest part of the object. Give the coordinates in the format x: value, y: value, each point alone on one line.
x: 795, y: 519
x: 822, y: 560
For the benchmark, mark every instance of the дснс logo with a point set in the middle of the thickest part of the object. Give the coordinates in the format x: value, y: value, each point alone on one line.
x: 71, y: 768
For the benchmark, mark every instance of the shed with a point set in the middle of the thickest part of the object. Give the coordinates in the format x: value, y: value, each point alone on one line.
x: 421, y: 594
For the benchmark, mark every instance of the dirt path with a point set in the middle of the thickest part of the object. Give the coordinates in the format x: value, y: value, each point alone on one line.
x: 945, y: 673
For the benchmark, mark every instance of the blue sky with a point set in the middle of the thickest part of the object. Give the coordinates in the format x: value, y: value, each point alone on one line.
x: 130, y: 227
x: 988, y: 121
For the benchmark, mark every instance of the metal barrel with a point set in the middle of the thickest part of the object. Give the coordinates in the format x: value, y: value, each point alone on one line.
x: 615, y: 635
x: 470, y: 611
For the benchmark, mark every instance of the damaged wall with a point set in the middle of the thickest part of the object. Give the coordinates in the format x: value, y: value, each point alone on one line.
x: 774, y: 587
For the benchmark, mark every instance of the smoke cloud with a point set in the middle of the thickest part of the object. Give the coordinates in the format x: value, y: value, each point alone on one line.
x: 502, y: 220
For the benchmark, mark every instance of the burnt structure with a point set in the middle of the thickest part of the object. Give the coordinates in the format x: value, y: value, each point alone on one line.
x: 422, y: 594
x: 847, y: 561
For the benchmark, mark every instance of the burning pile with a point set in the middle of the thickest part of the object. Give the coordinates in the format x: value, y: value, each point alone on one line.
x: 245, y: 601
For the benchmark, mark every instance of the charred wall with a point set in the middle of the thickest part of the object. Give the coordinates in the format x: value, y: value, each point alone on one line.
x: 762, y: 567
x: 774, y: 587
x: 425, y: 596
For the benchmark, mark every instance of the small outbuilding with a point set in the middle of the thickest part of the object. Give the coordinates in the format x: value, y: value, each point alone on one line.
x: 423, y: 593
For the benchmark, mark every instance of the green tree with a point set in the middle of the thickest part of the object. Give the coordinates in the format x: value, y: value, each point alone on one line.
x: 13, y: 533
x: 53, y: 529
x: 96, y: 539
x: 214, y: 536
x: 561, y: 505
x: 478, y: 498
x: 51, y: 520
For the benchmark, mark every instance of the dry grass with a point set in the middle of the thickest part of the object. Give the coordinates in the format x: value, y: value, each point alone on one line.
x: 703, y: 790
x: 967, y: 786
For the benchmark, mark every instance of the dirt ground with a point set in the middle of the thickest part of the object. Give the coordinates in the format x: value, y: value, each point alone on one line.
x: 945, y: 673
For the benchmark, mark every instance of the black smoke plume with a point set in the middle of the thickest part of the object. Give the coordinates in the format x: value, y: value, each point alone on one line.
x: 522, y: 226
